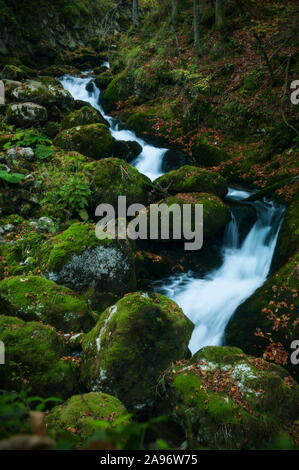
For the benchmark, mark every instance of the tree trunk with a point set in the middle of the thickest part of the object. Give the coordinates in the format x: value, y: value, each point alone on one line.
x: 135, y: 13
x: 220, y: 14
x: 174, y: 10
x: 197, y: 41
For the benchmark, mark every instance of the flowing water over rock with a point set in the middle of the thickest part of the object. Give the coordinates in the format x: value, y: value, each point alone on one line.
x: 149, y: 162
x: 209, y: 302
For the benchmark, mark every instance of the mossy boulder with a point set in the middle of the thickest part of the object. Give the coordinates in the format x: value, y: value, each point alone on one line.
x: 80, y: 260
x: 288, y: 240
x: 37, y: 298
x: 81, y: 415
x: 34, y: 353
x: 267, y: 322
x: 113, y: 177
x: 114, y: 92
x: 190, y: 179
x: 131, y: 345
x: 26, y: 114
x: 93, y: 140
x: 223, y: 399
x: 47, y: 92
x: 104, y: 79
x: 83, y: 116
x: 206, y: 154
x: 216, y: 215
x: 17, y: 72
x: 127, y: 150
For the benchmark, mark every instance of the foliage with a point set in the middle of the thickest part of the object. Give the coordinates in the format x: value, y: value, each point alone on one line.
x: 15, y: 408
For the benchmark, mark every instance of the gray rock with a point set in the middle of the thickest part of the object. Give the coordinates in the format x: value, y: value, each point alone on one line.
x: 19, y: 153
x: 26, y: 114
x: 7, y: 228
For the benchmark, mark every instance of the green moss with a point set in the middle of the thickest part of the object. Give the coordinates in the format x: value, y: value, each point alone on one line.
x: 77, y: 238
x: 19, y: 256
x: 224, y: 399
x: 104, y: 79
x: 36, y: 298
x: 33, y: 359
x: 82, y: 415
x: 207, y: 155
x: 114, y: 92
x: 112, y: 177
x: 84, y: 116
x: 93, y: 140
x: 84, y: 260
x: 193, y: 179
x: 17, y: 72
x: 215, y: 213
x: 133, y: 342
x: 272, y: 309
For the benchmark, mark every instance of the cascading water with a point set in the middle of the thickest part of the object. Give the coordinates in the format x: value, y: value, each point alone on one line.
x: 211, y: 301
x: 149, y: 162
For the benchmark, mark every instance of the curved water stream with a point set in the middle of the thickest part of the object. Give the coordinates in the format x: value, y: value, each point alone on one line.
x: 211, y: 301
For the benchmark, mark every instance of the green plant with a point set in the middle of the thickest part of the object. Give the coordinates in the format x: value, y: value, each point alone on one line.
x: 15, y: 408
x: 72, y: 196
x: 9, y: 177
x: 30, y: 138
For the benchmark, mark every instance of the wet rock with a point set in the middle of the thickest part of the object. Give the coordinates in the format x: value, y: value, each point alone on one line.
x: 26, y: 114
x: 193, y: 179
x: 93, y: 140
x: 19, y: 154
x: 79, y: 260
x: 174, y: 159
x: 37, y: 298
x: 224, y: 399
x: 37, y: 351
x: 81, y: 414
x: 133, y: 342
x: 128, y: 150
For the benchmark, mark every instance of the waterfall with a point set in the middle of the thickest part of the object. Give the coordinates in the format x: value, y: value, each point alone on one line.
x: 209, y: 302
x: 149, y: 162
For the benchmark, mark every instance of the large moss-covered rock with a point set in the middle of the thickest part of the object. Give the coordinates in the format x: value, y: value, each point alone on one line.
x: 93, y: 140
x: 189, y: 179
x: 26, y: 114
x: 79, y: 260
x: 216, y: 215
x: 114, y: 92
x: 81, y: 414
x: 113, y: 177
x: 34, y: 355
x: 37, y: 298
x: 17, y: 72
x: 103, y: 79
x: 83, y: 116
x: 46, y: 93
x: 267, y: 323
x: 223, y: 399
x: 207, y: 155
x: 131, y: 345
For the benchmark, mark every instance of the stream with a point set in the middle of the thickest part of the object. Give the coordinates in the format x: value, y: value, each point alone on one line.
x: 211, y: 301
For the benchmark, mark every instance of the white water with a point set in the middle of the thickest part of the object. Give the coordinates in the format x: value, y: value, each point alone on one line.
x: 149, y: 162
x: 209, y: 302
